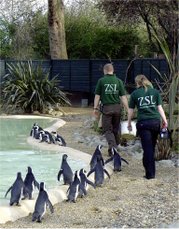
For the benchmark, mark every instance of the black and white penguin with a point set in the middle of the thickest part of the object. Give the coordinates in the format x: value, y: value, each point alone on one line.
x: 41, y: 204
x: 97, y: 153
x: 16, y: 190
x: 59, y: 139
x: 73, y: 190
x: 116, y: 158
x: 99, y: 172
x: 35, y: 131
x: 66, y: 171
x: 29, y: 184
x: 45, y: 136
x: 84, y: 183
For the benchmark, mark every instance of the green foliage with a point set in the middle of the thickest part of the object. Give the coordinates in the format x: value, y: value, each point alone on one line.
x: 88, y: 39
x: 96, y: 128
x: 5, y: 36
x: 40, y: 41
x: 88, y: 35
x: 30, y: 89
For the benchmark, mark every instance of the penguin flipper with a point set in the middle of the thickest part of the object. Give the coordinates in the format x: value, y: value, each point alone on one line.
x: 36, y: 184
x: 108, y: 160
x: 102, y: 160
x: 124, y: 160
x: 59, y: 174
x: 83, y: 190
x: 50, y: 206
x: 8, y: 191
x: 107, y: 173
x: 91, y: 183
x: 90, y: 172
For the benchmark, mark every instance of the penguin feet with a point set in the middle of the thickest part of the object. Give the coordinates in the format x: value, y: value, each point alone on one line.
x: 117, y: 170
x: 39, y: 221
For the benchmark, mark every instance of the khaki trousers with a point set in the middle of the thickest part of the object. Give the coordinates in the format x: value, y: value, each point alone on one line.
x: 111, y: 124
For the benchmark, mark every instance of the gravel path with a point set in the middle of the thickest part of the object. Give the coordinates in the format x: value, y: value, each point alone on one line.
x: 126, y: 200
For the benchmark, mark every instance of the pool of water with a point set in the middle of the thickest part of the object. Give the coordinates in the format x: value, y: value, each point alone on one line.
x: 16, y: 154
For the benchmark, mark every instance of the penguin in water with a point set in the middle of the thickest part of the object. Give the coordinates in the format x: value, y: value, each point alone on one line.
x: 84, y: 183
x: 41, y: 204
x: 59, y: 139
x: 99, y: 172
x: 16, y: 190
x: 97, y: 154
x: 117, y: 159
x: 45, y: 136
x: 29, y: 184
x: 66, y: 171
x: 73, y: 190
x: 35, y: 131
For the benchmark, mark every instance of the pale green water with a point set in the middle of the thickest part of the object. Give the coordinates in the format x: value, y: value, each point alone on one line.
x: 16, y: 154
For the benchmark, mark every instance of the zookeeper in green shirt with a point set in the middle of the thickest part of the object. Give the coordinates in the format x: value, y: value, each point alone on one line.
x: 110, y: 92
x: 149, y: 112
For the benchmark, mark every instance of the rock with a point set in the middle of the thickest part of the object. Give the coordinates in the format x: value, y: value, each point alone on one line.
x: 167, y: 163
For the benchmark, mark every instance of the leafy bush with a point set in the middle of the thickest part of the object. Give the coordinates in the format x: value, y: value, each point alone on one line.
x: 30, y: 89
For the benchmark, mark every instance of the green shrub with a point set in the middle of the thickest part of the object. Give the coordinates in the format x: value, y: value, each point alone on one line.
x: 30, y: 89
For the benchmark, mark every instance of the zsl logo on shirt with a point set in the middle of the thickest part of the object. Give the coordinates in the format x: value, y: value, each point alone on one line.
x: 110, y: 88
x: 146, y: 101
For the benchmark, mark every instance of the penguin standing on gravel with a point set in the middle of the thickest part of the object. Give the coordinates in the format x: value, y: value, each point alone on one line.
x: 73, y: 190
x: 29, y: 184
x: 59, y: 139
x: 116, y: 158
x: 41, y: 204
x: 99, y: 172
x: 66, y: 171
x: 97, y: 154
x: 16, y: 190
x: 84, y: 183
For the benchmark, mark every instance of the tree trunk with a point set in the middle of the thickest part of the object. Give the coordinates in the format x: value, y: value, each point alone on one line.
x: 56, y: 29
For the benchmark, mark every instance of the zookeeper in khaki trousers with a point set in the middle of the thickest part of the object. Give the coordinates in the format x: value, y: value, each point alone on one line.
x: 110, y: 92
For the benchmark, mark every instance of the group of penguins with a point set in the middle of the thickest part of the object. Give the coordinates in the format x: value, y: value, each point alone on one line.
x: 38, y: 132
x: 78, y: 182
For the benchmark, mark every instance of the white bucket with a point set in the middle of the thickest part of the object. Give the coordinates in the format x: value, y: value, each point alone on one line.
x: 124, y: 129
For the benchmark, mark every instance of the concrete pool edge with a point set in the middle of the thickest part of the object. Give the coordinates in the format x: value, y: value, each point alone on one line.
x: 56, y: 195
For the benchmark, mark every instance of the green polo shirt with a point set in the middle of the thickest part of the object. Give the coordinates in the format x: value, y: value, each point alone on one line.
x: 146, y: 103
x: 109, y: 87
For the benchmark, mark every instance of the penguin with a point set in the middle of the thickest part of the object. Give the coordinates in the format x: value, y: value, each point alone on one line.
x: 41, y: 204
x: 16, y: 190
x: 84, y: 183
x: 59, y: 139
x: 73, y: 190
x: 97, y: 153
x: 29, y: 184
x: 98, y: 172
x: 66, y: 171
x: 116, y: 158
x: 35, y: 131
x: 45, y: 136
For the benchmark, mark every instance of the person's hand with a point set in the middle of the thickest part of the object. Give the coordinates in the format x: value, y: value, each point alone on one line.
x: 164, y: 124
x: 95, y: 113
x: 129, y: 127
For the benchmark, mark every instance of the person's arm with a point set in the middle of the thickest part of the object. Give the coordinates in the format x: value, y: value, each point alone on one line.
x: 130, y: 116
x: 125, y: 102
x: 163, y: 116
x: 96, y: 105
